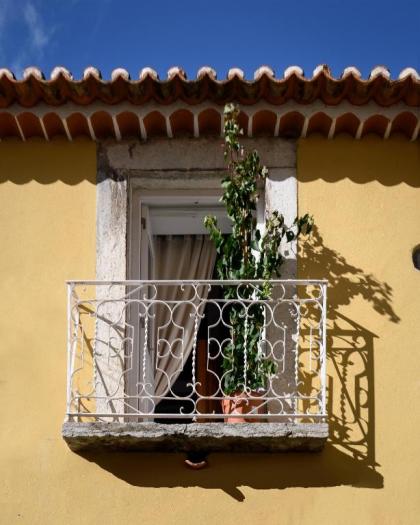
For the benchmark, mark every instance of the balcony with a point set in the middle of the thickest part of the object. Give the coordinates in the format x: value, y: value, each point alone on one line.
x: 182, y: 365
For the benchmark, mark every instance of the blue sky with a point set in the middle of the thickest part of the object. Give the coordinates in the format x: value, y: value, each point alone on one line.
x: 222, y: 34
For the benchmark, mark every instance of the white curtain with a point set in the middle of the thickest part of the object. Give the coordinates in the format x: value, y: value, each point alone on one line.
x: 179, y: 257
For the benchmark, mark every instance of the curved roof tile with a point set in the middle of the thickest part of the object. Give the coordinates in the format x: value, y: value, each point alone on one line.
x: 290, y: 106
x: 60, y: 88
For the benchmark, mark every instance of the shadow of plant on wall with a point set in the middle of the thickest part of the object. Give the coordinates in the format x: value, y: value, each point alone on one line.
x: 350, y: 348
x: 349, y: 456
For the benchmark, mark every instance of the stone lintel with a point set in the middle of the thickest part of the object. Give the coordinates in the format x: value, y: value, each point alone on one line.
x: 194, y: 154
x: 208, y: 437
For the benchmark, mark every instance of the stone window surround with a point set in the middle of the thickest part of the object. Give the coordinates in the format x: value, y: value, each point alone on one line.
x: 183, y: 164
x: 175, y: 164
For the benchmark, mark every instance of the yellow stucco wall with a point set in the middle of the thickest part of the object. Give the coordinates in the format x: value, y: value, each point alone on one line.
x: 365, y: 198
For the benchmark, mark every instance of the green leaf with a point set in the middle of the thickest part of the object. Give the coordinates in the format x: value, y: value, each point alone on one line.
x: 290, y: 235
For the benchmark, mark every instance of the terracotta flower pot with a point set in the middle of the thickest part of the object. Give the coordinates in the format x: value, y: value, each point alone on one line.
x: 242, y: 404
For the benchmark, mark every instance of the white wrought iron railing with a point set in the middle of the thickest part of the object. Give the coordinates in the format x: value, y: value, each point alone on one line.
x: 197, y: 350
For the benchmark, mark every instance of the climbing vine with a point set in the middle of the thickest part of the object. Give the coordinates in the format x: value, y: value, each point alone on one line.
x: 248, y: 253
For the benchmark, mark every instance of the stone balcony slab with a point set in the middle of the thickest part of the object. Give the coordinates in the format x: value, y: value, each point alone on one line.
x: 208, y: 437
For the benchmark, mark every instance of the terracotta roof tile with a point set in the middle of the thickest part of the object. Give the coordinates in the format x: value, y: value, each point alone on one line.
x: 293, y: 105
x: 61, y: 87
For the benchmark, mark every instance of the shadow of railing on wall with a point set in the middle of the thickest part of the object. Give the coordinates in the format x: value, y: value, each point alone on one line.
x: 350, y: 350
x: 351, y: 406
